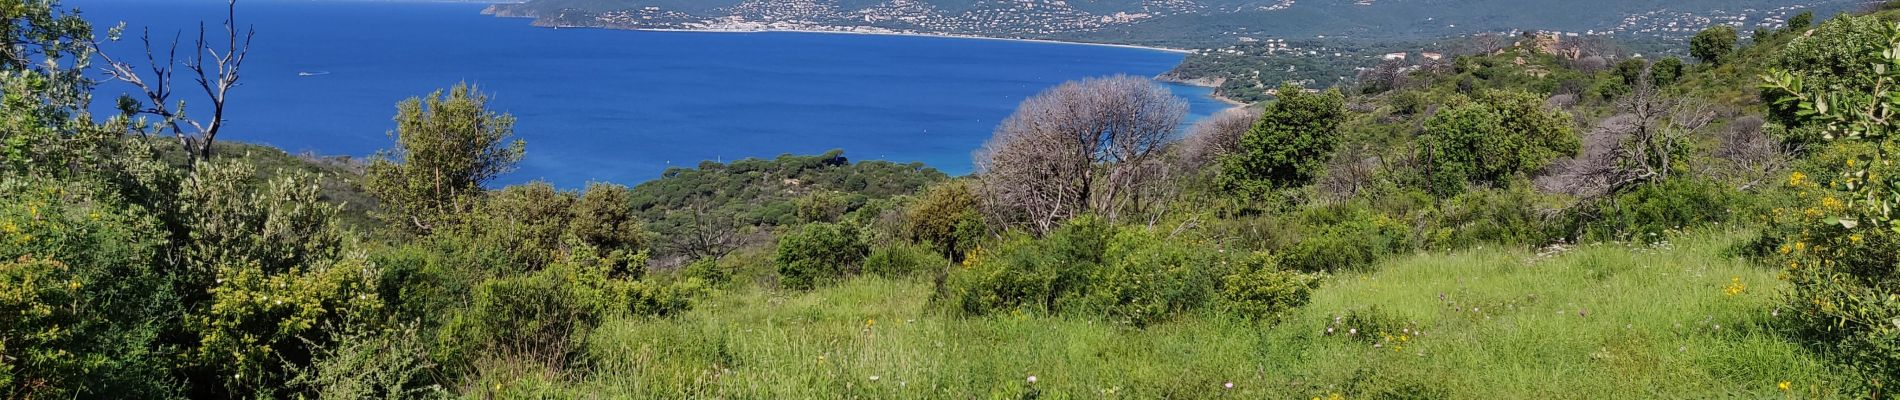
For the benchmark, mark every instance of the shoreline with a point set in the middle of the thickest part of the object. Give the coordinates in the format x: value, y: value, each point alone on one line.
x: 1232, y: 103
x: 1222, y: 99
x: 906, y: 34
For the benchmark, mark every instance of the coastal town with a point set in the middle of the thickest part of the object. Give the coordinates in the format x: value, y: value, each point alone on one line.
x: 992, y: 18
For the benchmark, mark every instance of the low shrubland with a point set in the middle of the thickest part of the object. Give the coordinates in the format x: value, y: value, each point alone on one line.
x: 1673, y: 319
x: 1517, y: 222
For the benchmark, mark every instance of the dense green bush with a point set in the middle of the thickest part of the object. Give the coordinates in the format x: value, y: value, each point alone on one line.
x: 946, y: 218
x: 818, y: 254
x: 903, y: 260
x: 543, y: 316
x: 266, y: 266
x: 1260, y: 290
x: 1144, y: 278
x: 821, y: 206
x: 81, y: 298
x: 447, y: 148
x: 1713, y: 45
x: 708, y: 270
x: 1290, y: 144
x: 1491, y: 216
x: 527, y: 222
x: 1835, y: 57
x: 1650, y: 211
x: 1840, y: 241
x: 1499, y: 135
x: 365, y: 362
x: 1024, y: 272
x: 1129, y: 275
x: 1345, y: 238
x: 604, y: 220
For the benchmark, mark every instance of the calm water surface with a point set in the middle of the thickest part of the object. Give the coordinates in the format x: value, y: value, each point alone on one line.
x: 621, y: 106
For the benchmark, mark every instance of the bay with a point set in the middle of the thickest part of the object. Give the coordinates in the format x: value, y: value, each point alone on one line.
x: 621, y: 106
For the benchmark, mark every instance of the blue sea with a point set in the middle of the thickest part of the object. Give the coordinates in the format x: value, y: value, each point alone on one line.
x: 621, y: 106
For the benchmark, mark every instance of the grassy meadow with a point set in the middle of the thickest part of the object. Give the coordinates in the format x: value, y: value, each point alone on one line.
x: 1673, y: 320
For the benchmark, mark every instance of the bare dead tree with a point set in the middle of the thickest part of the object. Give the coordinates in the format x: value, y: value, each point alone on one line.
x: 214, y: 67
x: 1484, y: 43
x: 1216, y: 136
x: 1641, y: 144
x: 1385, y: 77
x: 1082, y: 147
x: 1749, y: 155
x: 1352, y: 170
x: 705, y: 234
x: 1659, y: 135
x: 1591, y: 172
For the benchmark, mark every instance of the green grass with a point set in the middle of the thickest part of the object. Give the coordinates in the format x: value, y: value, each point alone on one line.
x: 1603, y: 321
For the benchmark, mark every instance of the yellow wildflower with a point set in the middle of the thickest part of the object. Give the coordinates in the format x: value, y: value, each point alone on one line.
x: 1797, y: 179
x: 1784, y: 386
x: 1735, y: 286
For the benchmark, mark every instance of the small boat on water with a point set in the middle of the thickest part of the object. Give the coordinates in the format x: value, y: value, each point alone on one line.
x: 313, y: 73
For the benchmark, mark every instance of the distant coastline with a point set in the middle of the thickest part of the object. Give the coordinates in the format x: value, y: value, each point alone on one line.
x: 910, y: 34
x: 494, y: 12
x: 846, y: 32
x: 1190, y: 82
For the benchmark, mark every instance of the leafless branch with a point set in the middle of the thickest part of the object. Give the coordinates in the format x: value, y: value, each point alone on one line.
x: 1082, y: 147
x: 216, y: 71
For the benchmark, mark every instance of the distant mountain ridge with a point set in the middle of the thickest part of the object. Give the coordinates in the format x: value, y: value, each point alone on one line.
x: 1187, y: 23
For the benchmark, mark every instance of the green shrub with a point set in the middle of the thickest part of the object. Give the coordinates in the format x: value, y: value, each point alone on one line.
x: 1260, y: 290
x: 604, y: 219
x: 1023, y: 272
x: 266, y: 267
x: 1651, y: 211
x: 1840, y: 241
x: 1345, y: 238
x: 1713, y: 45
x: 527, y: 222
x: 1490, y: 216
x: 1289, y: 145
x: 821, y: 206
x: 1843, y: 299
x: 818, y: 254
x: 366, y: 363
x: 81, y: 302
x: 1488, y: 141
x: 537, y: 316
x: 708, y: 270
x: 1131, y: 276
x: 1145, y: 279
x: 946, y: 218
x: 543, y: 316
x: 903, y: 260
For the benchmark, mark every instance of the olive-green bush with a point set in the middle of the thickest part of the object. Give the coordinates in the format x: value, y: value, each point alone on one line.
x: 1128, y: 275
x: 903, y: 260
x: 81, y: 298
x: 1345, y: 238
x: 1261, y: 290
x: 819, y: 254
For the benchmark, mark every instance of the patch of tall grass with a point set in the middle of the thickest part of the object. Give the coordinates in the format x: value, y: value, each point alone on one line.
x: 1670, y: 320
